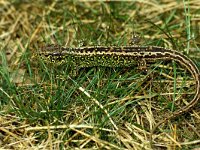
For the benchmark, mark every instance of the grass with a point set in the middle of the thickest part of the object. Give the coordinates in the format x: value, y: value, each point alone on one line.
x: 41, y: 107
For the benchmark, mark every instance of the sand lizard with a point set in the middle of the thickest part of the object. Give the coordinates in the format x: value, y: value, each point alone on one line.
x: 121, y: 57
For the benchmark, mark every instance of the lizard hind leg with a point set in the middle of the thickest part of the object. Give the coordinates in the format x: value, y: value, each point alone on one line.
x: 142, y: 66
x: 135, y: 40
